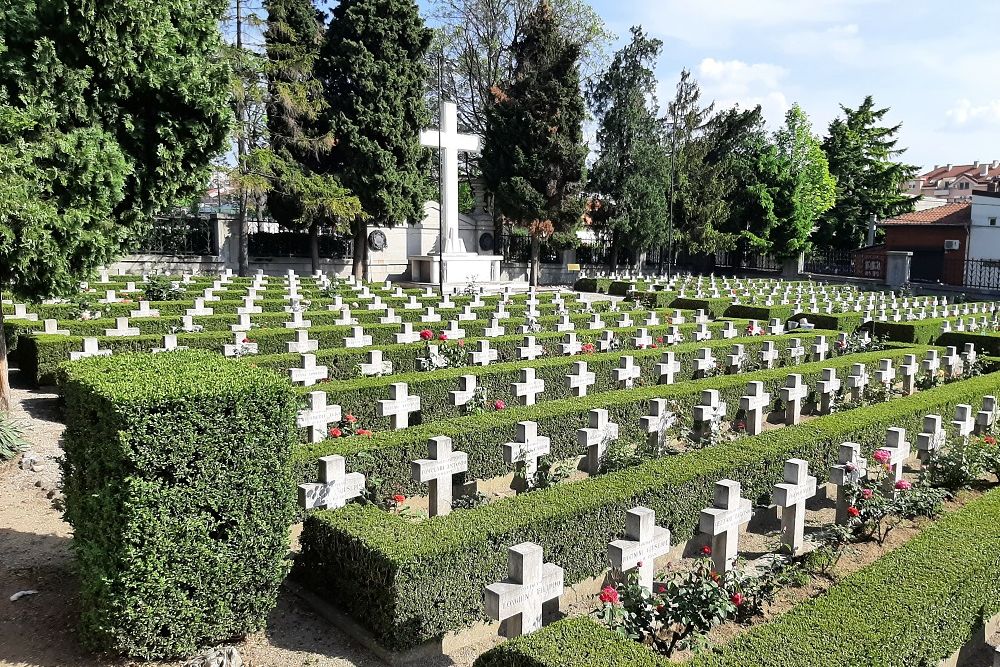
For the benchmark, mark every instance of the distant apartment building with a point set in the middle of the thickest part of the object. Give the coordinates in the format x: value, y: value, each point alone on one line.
x: 954, y: 182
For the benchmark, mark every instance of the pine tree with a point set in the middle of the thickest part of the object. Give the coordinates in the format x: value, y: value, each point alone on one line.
x: 629, y: 177
x: 298, y: 195
x: 109, y: 113
x: 808, y: 190
x: 372, y: 67
x: 533, y: 155
x: 862, y: 151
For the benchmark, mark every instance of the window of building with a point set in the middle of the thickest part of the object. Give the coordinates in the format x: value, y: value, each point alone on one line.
x: 993, y: 222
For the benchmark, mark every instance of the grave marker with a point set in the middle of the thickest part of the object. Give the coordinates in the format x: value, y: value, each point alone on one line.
x: 644, y: 542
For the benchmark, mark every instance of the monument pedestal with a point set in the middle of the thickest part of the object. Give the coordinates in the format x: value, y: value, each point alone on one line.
x: 460, y: 268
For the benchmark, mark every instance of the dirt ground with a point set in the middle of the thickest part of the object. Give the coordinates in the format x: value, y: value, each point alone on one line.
x: 40, y: 629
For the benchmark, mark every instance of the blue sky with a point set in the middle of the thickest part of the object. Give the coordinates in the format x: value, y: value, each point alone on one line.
x: 929, y: 61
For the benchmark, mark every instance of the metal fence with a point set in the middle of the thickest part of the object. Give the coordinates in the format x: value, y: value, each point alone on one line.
x: 517, y: 248
x: 180, y: 235
x: 854, y: 263
x: 976, y: 273
x: 296, y: 244
x: 746, y: 261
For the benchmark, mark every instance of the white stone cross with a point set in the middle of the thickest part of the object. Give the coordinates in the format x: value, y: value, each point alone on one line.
x: 702, y: 332
x: 528, y: 388
x: 570, y: 345
x: 144, y: 311
x: 335, y: 485
x: 466, y: 390
x: 986, y: 418
x: 308, y: 373
x: 908, y: 369
x: 886, y: 374
x: 828, y: 388
x: 482, y: 355
x: 768, y: 354
x: 565, y: 324
x: 793, y: 393
x: 857, y: 381
x: 357, y: 338
x: 756, y: 403
x: 90, y: 349
x: 969, y: 354
x: 899, y: 451
x: 169, y: 345
x: 667, y: 368
x: 964, y: 422
x: 122, y: 328
x: 627, y: 372
x: 407, y: 335
x: 932, y: 438
x: 722, y: 522
x: 52, y: 329
x: 644, y: 542
x: 399, y: 405
x: 729, y: 331
x: 578, y: 381
x: 530, y: 584
x: 851, y: 468
x: 453, y: 332
x: 375, y: 364
x: 241, y: 346
x: 709, y: 413
x: 529, y: 350
x: 607, y: 341
x: 704, y: 362
x: 595, y: 322
x: 658, y: 423
x: 494, y: 330
x: 243, y: 325
x: 450, y: 142
x: 390, y: 317
x: 952, y: 362
x: 791, y: 496
x: 302, y: 343
x: 437, y: 471
x: 734, y: 362
x: 931, y: 363
x: 642, y: 339
x: 429, y: 316
x: 796, y: 352
x: 820, y: 348
x: 297, y: 322
x: 526, y: 450
x: 248, y: 307
x: 596, y: 438
x: 318, y: 416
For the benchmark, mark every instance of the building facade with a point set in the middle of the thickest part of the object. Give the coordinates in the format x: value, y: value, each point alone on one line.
x: 954, y: 183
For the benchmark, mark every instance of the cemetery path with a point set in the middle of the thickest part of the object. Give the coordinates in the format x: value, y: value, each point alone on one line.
x: 39, y: 630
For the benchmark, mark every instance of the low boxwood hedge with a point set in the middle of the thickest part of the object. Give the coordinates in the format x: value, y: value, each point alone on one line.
x: 846, y: 322
x: 921, y: 332
x: 715, y: 308
x: 360, y: 396
x: 654, y: 299
x: 986, y: 343
x: 764, y: 314
x: 422, y: 580
x: 177, y: 477
x: 916, y: 605
x: 387, y: 454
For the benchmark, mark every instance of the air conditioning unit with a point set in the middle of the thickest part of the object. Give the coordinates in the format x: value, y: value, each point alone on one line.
x: 951, y: 245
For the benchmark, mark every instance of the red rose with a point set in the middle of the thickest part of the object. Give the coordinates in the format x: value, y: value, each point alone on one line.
x: 661, y: 589
x: 609, y: 595
x: 903, y: 485
x: 426, y: 334
x: 399, y: 498
x: 706, y: 550
x: 461, y: 343
x: 350, y: 419
x: 854, y: 511
x: 714, y: 576
x: 335, y: 432
x: 659, y: 339
x: 499, y: 404
x: 364, y: 431
x: 246, y: 340
x: 442, y: 336
x: 737, y: 599
x: 653, y: 346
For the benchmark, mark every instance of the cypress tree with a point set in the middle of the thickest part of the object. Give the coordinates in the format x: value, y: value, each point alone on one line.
x: 534, y: 156
x: 372, y: 67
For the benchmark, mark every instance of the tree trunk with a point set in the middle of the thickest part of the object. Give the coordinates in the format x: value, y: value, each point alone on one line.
x: 4, y: 370
x: 314, y: 245
x: 536, y: 251
x: 244, y: 226
x: 614, y: 257
x: 360, y: 249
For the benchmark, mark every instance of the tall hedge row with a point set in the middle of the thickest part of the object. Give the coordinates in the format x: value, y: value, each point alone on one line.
x: 426, y: 579
x: 916, y: 605
x: 178, y: 487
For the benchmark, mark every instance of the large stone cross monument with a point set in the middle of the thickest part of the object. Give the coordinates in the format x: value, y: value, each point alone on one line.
x: 459, y: 266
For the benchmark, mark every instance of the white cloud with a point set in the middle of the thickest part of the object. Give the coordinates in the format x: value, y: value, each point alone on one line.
x: 842, y: 42
x: 965, y: 114
x: 734, y: 82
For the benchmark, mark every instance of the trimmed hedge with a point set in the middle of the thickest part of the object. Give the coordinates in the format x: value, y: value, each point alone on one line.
x: 360, y: 396
x: 177, y: 478
x: 986, y: 343
x: 921, y: 332
x: 762, y: 313
x: 425, y: 579
x: 916, y: 605
x: 846, y: 322
x: 654, y: 299
x: 387, y: 453
x: 714, y: 308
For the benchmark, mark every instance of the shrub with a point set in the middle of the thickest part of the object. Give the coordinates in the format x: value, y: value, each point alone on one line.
x: 397, y: 562
x: 178, y: 488
x: 714, y: 308
x: 762, y: 313
x: 12, y: 440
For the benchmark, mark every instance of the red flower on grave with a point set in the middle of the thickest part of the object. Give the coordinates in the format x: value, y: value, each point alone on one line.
x: 609, y: 595
x: 989, y: 440
x: 706, y: 550
x: 499, y: 404
x: 661, y: 589
x: 714, y: 576
x: 854, y: 511
x: 737, y: 599
x: 639, y: 564
x: 246, y: 340
x: 364, y: 431
x: 882, y: 456
x: 350, y: 419
x: 587, y: 348
x: 399, y: 498
x: 336, y: 432
x: 426, y: 334
x: 442, y: 336
x: 867, y: 494
x: 903, y: 485
x: 653, y: 346
x: 659, y: 339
